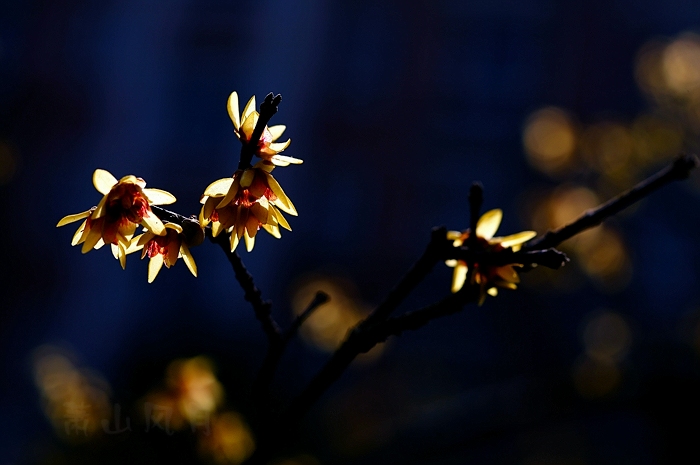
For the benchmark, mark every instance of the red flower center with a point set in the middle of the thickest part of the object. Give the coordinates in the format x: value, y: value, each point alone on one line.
x: 158, y: 245
x: 126, y: 202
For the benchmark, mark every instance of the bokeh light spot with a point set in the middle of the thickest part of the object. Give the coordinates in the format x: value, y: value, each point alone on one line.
x: 549, y: 138
x: 75, y: 400
x: 329, y: 324
x: 681, y: 65
x: 607, y: 337
x: 229, y: 441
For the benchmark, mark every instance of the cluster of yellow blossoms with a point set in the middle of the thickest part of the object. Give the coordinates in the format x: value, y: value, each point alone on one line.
x: 488, y: 278
x: 252, y: 198
x: 240, y: 205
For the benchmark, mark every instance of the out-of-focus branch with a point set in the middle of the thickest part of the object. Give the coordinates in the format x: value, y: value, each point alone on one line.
x: 678, y: 170
x: 319, y: 299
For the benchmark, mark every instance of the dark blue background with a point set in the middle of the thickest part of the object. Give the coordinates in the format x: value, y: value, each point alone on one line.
x: 395, y: 107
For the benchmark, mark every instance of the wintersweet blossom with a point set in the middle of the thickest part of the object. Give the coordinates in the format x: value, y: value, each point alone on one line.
x: 125, y: 205
x: 244, y: 124
x: 165, y: 250
x: 489, y: 278
x: 250, y: 200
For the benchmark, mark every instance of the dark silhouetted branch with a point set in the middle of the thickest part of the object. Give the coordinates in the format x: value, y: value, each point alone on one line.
x: 252, y: 294
x: 268, y: 108
x: 551, y: 258
x: 262, y: 308
x: 678, y: 170
x: 437, y: 248
x: 276, y: 349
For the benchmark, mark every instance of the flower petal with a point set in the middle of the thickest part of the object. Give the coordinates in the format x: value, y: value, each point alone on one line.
x: 188, y: 259
x: 99, y: 210
x: 151, y: 222
x: 73, y: 218
x: 247, y: 178
x: 219, y: 187
x: 234, y: 241
x: 283, y: 202
x: 154, y: 266
x: 232, y: 106
x: 159, y: 196
x: 276, y: 131
x: 249, y: 108
x: 488, y: 224
x: 173, y: 251
x: 283, y: 160
x: 174, y: 226
x: 103, y: 181
x: 248, y: 125
x: 280, y: 146
x: 508, y: 273
x: 143, y: 239
x: 459, y: 276
x: 249, y: 242
x: 94, y: 235
x: 454, y: 235
x: 281, y: 219
x: 231, y: 194
x: 78, y: 234
x: 122, y: 256
x: 273, y: 230
x: 517, y: 239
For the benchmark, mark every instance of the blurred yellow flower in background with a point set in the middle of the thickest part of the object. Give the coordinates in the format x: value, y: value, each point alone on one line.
x: 241, y: 205
x: 244, y: 124
x: 125, y: 205
x: 164, y: 250
x: 489, y: 278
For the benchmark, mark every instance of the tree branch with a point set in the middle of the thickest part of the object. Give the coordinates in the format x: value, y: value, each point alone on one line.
x: 678, y: 170
x: 437, y: 248
x: 262, y: 308
x: 275, y: 350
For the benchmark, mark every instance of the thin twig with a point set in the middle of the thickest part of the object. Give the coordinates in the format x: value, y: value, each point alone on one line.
x: 252, y: 294
x: 319, y: 299
x: 262, y: 308
x: 678, y: 170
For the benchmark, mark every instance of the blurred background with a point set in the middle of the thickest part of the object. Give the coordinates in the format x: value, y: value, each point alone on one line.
x: 395, y: 108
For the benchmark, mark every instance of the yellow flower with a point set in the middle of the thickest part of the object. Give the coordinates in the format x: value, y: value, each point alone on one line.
x: 125, y: 204
x: 243, y: 126
x: 165, y: 250
x: 489, y: 278
x: 241, y: 205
